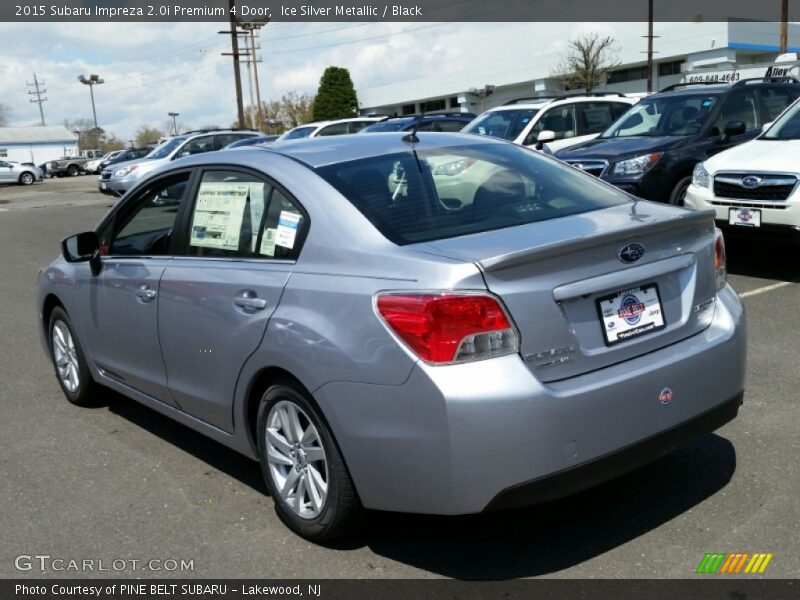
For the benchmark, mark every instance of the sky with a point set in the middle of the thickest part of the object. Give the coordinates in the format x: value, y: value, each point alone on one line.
x: 151, y: 69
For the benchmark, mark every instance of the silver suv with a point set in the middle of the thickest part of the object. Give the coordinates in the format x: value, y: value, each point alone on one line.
x: 118, y: 178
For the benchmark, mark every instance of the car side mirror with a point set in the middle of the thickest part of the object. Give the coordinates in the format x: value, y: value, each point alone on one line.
x: 545, y: 135
x: 732, y: 128
x: 82, y: 247
x: 766, y: 126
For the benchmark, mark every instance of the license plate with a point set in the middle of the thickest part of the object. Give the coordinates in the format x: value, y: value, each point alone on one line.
x: 102, y: 186
x: 744, y: 217
x: 630, y: 313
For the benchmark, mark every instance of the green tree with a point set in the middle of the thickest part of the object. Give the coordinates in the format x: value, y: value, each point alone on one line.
x: 147, y: 135
x: 336, y: 96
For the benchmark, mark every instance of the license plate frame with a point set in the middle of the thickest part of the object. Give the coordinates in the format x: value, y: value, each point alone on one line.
x: 737, y: 218
x: 645, y: 299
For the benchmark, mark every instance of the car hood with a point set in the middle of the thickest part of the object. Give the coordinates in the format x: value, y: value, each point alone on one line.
x: 758, y: 155
x: 616, y: 149
x: 145, y: 164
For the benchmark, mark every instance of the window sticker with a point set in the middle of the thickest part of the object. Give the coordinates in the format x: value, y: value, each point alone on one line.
x: 218, y: 215
x: 268, y: 242
x: 288, y: 224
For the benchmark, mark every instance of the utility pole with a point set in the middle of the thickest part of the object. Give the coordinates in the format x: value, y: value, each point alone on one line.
x: 252, y: 28
x: 235, y: 54
x: 38, y: 93
x: 249, y: 61
x: 784, y: 26
x: 649, y: 46
x: 91, y: 81
x: 174, y: 116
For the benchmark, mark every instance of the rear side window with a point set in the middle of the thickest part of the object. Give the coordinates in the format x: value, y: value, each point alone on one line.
x: 335, y: 129
x: 739, y: 106
x: 457, y: 191
x: 594, y: 117
x: 774, y: 101
x: 450, y: 126
x: 239, y: 215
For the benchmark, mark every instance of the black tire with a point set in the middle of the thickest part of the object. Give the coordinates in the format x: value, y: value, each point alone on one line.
x: 86, y: 392
x: 73, y: 170
x: 26, y: 178
x: 342, y: 506
x: 678, y: 194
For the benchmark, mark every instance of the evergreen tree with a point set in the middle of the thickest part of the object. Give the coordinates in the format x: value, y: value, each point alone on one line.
x: 336, y: 97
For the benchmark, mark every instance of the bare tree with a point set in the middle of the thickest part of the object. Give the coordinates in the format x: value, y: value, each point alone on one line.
x: 4, y: 112
x: 587, y: 61
x: 296, y: 108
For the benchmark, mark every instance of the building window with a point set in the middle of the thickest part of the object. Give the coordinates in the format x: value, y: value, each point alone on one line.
x: 432, y: 105
x: 630, y: 74
x: 454, y: 103
x: 3, y: 152
x: 409, y: 109
x: 670, y: 68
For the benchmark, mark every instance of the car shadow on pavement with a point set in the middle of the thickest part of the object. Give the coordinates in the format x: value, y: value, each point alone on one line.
x: 762, y: 257
x: 548, y: 538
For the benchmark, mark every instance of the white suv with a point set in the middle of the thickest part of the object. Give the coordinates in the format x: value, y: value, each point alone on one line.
x: 754, y: 185
x: 560, y: 122
x: 322, y: 128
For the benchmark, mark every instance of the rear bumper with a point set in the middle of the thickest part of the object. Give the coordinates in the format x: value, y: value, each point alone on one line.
x: 454, y: 439
x: 608, y: 467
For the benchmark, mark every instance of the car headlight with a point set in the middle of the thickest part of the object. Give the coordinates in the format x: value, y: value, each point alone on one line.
x: 700, y: 176
x: 454, y: 168
x: 637, y: 165
x: 125, y: 171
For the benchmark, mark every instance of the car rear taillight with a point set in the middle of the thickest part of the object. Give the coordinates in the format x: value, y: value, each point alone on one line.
x: 449, y: 327
x: 719, y: 259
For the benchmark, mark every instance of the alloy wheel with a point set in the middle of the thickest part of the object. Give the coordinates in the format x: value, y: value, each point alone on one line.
x: 27, y: 179
x: 297, y: 462
x: 65, y: 356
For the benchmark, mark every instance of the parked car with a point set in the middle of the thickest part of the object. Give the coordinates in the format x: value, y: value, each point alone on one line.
x: 552, y: 123
x: 450, y: 121
x: 326, y: 128
x: 754, y: 186
x: 383, y: 348
x: 128, y: 154
x: 71, y: 166
x: 23, y: 174
x: 261, y: 139
x: 652, y: 149
x: 95, y: 166
x: 116, y: 179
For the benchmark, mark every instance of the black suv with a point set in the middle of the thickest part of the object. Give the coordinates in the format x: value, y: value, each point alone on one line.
x: 126, y: 154
x: 452, y: 121
x: 651, y: 150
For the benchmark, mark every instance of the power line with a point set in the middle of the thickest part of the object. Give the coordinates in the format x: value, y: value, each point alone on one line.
x: 38, y: 93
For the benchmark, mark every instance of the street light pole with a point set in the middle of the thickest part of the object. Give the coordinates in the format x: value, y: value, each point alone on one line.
x: 174, y: 116
x: 91, y: 81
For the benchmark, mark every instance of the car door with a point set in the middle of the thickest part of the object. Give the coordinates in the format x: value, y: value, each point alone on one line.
x: 136, y: 243
x: 561, y: 121
x: 739, y: 105
x: 6, y: 172
x: 240, y: 239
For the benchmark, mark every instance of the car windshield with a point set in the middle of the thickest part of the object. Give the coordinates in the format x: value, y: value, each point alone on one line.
x: 299, y: 133
x: 449, y: 192
x: 388, y: 125
x: 787, y: 126
x: 166, y: 148
x: 666, y: 115
x: 504, y: 124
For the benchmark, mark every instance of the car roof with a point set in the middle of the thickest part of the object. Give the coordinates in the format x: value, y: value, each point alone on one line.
x: 561, y: 100
x: 321, y: 151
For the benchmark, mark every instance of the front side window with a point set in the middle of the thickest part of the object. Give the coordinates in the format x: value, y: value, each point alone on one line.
x: 198, y: 145
x: 449, y: 126
x: 145, y: 228
x: 167, y: 147
x: 559, y: 119
x: 334, y: 129
x: 389, y: 125
x: 456, y: 191
x: 504, y: 124
x: 240, y: 215
x: 666, y: 115
x: 298, y: 133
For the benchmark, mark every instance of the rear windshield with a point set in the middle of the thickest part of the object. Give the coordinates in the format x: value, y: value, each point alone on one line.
x: 450, y: 192
x: 504, y: 124
x: 388, y: 125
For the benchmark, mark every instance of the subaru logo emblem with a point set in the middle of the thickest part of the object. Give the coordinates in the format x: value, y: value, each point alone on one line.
x: 631, y: 253
x: 751, y: 181
x: 665, y: 397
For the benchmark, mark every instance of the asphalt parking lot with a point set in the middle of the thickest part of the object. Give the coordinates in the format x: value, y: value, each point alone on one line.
x: 122, y: 482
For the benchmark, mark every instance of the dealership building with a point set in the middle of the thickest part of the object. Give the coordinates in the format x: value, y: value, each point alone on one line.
x: 37, y: 144
x: 713, y: 47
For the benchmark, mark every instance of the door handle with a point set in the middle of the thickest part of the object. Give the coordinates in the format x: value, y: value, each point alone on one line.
x: 145, y: 293
x: 249, y: 300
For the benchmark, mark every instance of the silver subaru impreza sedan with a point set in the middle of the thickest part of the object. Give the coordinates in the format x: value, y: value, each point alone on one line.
x: 422, y: 322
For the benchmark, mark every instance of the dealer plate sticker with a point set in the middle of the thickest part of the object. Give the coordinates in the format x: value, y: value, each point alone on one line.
x: 744, y: 217
x: 630, y: 313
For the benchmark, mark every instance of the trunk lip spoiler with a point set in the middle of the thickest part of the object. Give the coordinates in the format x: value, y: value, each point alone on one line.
x: 519, y: 257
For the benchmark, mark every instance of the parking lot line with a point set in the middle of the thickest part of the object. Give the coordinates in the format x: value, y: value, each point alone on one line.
x: 766, y: 288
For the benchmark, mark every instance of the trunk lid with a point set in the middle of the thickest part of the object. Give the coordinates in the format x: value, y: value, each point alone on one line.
x: 553, y: 277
